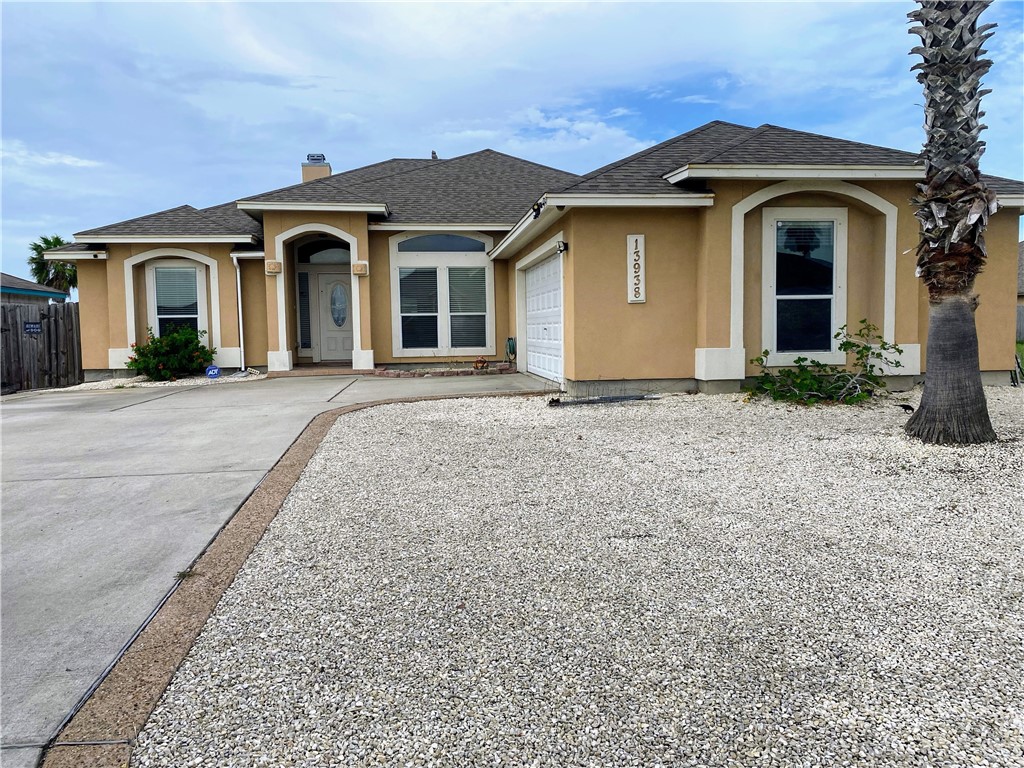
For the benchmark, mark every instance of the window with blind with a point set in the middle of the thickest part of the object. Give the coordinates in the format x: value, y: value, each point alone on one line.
x: 442, y: 286
x: 177, y: 299
x: 419, y: 305
x: 467, y: 306
x: 804, y: 273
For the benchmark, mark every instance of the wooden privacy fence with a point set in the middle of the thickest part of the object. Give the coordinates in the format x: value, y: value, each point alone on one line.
x: 41, y: 346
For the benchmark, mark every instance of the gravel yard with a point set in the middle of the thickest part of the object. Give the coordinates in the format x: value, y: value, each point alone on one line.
x: 689, y: 581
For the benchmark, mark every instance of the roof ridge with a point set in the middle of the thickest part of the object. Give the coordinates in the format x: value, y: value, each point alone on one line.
x: 668, y: 142
x: 136, y: 218
x: 837, y: 138
x: 517, y: 159
x: 737, y: 142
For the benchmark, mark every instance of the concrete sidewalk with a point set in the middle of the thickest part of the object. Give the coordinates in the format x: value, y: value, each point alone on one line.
x: 107, y: 495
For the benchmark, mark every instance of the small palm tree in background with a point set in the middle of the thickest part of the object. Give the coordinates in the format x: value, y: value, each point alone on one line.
x: 57, y: 274
x: 953, y: 206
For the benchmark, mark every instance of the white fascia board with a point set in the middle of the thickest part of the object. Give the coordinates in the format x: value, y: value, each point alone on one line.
x: 1010, y: 201
x: 169, y: 239
x: 247, y: 254
x: 438, y: 227
x: 76, y: 255
x: 526, y: 226
x: 698, y: 200
x: 780, y: 171
x: 249, y: 205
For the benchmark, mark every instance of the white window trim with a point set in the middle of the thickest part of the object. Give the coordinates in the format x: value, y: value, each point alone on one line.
x: 441, y: 260
x: 203, y: 321
x: 770, y: 218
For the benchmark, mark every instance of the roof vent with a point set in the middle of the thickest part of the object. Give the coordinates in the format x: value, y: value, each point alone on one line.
x: 433, y: 155
x: 317, y: 158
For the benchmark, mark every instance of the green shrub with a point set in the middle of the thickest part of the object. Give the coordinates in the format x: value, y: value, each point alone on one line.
x: 812, y: 382
x: 177, y: 353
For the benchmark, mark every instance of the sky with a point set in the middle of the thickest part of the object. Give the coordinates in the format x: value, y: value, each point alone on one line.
x: 118, y: 109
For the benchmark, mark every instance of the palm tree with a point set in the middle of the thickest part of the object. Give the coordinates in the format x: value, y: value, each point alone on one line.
x: 953, y: 207
x: 57, y: 274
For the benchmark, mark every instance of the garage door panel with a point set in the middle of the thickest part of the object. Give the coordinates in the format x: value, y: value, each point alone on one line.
x: 544, y: 343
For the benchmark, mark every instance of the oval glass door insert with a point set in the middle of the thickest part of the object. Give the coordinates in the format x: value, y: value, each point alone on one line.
x: 339, y: 306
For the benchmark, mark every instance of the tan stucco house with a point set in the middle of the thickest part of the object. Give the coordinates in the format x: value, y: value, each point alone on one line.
x: 668, y: 269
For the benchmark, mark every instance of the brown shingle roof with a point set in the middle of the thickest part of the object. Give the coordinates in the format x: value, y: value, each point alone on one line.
x: 641, y: 173
x: 482, y: 187
x: 181, y: 221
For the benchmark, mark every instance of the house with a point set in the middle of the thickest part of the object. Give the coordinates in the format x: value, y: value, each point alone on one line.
x: 17, y: 290
x: 667, y: 269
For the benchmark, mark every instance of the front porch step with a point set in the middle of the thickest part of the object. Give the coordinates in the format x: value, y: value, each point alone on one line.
x: 320, y: 370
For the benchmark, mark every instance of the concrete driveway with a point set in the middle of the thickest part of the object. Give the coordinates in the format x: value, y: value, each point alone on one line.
x: 107, y: 495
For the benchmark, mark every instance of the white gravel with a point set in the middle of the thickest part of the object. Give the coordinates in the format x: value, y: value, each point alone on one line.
x: 690, y: 581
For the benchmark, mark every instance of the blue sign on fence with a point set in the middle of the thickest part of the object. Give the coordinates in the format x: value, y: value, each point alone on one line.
x: 212, y: 372
x: 33, y: 328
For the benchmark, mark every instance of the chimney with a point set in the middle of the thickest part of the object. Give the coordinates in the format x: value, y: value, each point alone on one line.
x: 315, y: 167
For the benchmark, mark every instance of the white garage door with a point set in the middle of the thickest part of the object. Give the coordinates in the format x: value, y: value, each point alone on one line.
x: 544, y: 319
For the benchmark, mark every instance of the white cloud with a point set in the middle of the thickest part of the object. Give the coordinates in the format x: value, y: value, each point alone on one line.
x: 17, y: 152
x: 696, y: 98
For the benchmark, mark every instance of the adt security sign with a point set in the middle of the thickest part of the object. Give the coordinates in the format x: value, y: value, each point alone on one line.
x: 212, y: 372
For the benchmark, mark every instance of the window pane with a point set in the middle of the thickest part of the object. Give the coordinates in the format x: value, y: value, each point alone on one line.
x: 435, y: 243
x: 339, y: 306
x: 167, y: 324
x: 176, y: 291
x: 304, y: 332
x: 469, y: 330
x: 418, y: 290
x: 804, y: 325
x: 419, y: 331
x: 324, y: 252
x: 467, y: 289
x: 805, y: 258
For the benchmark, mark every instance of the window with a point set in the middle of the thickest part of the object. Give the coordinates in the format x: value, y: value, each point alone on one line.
x: 176, y: 296
x: 441, y: 291
x: 804, y: 271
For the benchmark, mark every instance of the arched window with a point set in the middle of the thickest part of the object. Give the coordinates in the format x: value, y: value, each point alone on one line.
x: 441, y: 243
x: 324, y: 251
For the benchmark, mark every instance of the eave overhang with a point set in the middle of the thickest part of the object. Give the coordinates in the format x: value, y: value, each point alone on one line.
x: 376, y: 208
x: 549, y: 208
x: 108, y: 239
x: 414, y: 227
x: 75, y: 256
x: 783, y: 171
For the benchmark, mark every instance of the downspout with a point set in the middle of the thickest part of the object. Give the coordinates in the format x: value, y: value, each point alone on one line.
x: 241, y: 331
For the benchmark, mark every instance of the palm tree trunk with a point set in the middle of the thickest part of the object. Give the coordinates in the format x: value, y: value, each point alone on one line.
x: 953, y: 206
x: 953, y: 407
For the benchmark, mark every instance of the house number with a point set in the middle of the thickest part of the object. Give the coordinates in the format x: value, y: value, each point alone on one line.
x: 636, y: 270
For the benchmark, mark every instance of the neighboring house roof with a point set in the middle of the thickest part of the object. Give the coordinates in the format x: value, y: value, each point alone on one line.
x: 485, y: 187
x: 18, y: 285
x: 183, y: 221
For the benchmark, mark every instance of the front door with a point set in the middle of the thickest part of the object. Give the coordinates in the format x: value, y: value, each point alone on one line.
x: 335, y: 294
